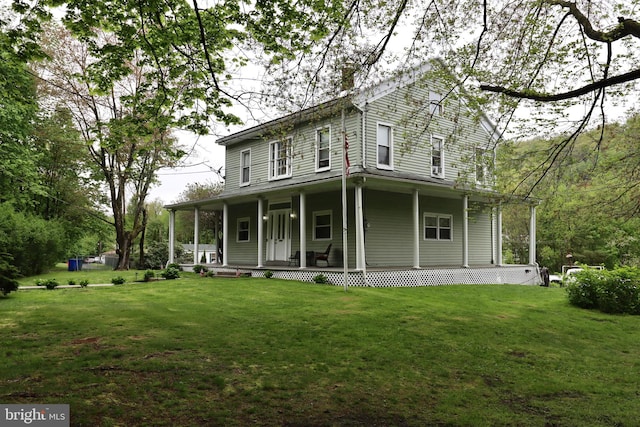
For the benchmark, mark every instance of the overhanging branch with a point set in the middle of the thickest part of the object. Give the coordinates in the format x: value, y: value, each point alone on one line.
x: 543, y: 97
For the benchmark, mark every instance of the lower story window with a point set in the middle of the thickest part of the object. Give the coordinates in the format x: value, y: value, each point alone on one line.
x: 243, y: 230
x: 438, y: 227
x: 322, y: 225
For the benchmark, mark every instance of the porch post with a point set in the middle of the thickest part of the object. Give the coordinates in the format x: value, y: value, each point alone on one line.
x: 216, y: 230
x: 196, y: 234
x: 465, y: 231
x: 532, y: 235
x: 416, y: 229
x: 499, y: 236
x: 360, y: 251
x: 225, y: 235
x: 302, y: 218
x: 260, y: 232
x: 172, y: 236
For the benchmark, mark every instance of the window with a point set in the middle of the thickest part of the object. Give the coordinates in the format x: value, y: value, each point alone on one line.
x: 484, y: 159
x: 438, y: 227
x: 435, y: 104
x: 243, y: 229
x: 322, y: 225
x: 385, y: 147
x: 245, y: 167
x: 323, y: 149
x: 280, y: 159
x: 437, y: 157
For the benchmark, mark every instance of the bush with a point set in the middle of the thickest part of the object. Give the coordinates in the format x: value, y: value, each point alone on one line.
x: 321, y: 279
x: 84, y: 283
x: 50, y: 284
x: 8, y: 274
x: 148, y: 275
x: 118, y: 280
x: 71, y: 282
x: 170, y: 273
x: 199, y: 268
x: 175, y: 265
x: 268, y: 274
x: 616, y: 291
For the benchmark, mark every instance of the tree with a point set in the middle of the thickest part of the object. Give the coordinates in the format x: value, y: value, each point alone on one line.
x: 141, y: 68
x: 207, y: 220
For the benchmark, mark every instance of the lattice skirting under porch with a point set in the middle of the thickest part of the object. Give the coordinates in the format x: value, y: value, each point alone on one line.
x: 513, y: 274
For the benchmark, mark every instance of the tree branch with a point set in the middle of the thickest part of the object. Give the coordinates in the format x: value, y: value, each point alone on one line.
x: 543, y: 97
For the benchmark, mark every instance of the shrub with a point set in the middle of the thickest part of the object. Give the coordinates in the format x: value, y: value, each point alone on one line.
x: 148, y: 275
x: 616, y: 291
x: 199, y: 268
x: 84, y: 283
x: 8, y: 274
x: 118, y: 280
x: 321, y: 279
x: 175, y: 265
x: 50, y: 284
x: 170, y: 273
x: 268, y: 274
x: 71, y: 282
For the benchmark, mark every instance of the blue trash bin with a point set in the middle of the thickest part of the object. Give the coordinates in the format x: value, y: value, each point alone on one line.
x: 74, y: 264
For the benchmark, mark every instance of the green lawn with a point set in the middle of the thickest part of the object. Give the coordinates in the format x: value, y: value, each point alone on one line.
x: 201, y: 351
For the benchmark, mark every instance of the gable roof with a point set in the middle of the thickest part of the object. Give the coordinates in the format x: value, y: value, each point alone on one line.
x: 355, y: 98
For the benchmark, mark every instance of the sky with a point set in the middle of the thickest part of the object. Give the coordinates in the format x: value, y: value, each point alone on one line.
x: 205, y: 157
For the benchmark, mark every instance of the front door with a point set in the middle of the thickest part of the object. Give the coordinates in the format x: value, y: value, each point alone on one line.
x: 279, y: 235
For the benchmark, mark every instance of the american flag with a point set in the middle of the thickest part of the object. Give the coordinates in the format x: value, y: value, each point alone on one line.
x: 346, y: 153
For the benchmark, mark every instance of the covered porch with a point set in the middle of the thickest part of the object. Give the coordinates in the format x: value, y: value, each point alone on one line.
x: 382, y: 240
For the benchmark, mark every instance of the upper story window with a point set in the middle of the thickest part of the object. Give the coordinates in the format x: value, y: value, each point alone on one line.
x: 484, y: 160
x: 323, y: 149
x: 322, y: 221
x: 437, y: 157
x: 385, y: 146
x: 245, y: 167
x: 243, y: 230
x: 438, y: 227
x: 280, y: 159
x: 435, y: 104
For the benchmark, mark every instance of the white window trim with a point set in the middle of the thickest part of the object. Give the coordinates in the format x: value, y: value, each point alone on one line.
x: 442, y: 157
x: 437, y: 217
x: 317, y: 159
x: 322, y: 213
x: 436, y: 106
x: 272, y: 165
x: 242, y: 166
x: 248, y: 221
x: 382, y: 165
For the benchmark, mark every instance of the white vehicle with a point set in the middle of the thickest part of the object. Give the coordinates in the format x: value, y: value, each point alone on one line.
x: 569, y: 271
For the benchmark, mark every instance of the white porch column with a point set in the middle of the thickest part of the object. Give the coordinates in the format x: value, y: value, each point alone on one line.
x: 302, y: 219
x: 260, y: 232
x: 465, y: 231
x: 172, y: 236
x: 216, y: 231
x: 196, y: 234
x: 416, y: 229
x: 499, y: 236
x: 361, y: 258
x: 225, y: 235
x: 532, y: 235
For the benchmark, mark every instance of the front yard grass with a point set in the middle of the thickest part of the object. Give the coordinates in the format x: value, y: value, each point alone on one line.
x: 238, y: 351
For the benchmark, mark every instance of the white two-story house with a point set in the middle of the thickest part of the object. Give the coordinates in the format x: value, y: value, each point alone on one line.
x: 386, y: 186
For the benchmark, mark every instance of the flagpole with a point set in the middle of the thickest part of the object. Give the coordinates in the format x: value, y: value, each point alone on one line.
x: 345, y: 171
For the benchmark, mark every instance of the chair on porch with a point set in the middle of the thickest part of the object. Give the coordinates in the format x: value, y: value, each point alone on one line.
x: 323, y: 256
x: 295, y: 258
